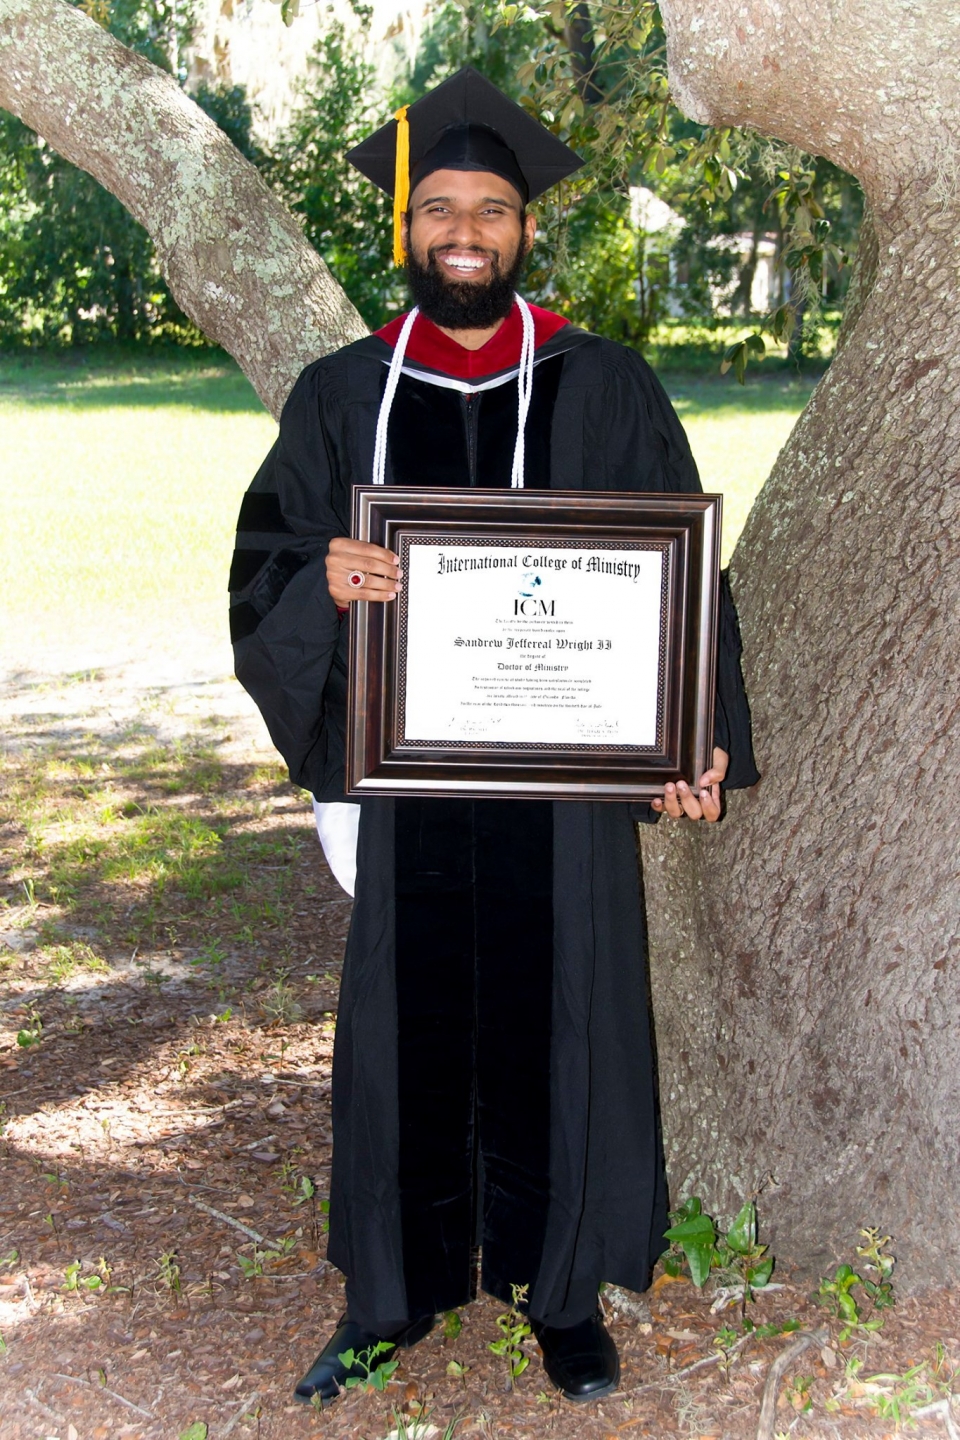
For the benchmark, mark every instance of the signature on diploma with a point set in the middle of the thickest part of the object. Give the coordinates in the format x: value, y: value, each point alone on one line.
x: 474, y: 727
x: 597, y: 729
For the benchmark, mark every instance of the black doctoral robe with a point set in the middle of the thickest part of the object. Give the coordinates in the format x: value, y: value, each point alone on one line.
x: 599, y: 420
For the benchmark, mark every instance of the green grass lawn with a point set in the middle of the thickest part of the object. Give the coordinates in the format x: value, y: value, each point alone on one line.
x: 121, y: 481
x: 736, y: 432
x: 122, y: 475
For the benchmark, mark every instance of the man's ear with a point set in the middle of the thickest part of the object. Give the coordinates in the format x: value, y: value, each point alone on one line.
x: 529, y: 229
x: 405, y: 230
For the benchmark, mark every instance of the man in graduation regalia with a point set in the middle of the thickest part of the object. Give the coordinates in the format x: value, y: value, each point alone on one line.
x: 493, y: 1079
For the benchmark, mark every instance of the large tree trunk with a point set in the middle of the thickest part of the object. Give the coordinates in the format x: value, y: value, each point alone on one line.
x: 233, y: 256
x: 806, y: 971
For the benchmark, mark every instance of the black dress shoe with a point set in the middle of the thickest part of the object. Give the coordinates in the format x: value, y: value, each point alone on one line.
x: 327, y: 1374
x: 581, y: 1360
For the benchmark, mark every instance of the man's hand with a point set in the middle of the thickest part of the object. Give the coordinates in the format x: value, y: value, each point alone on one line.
x: 381, y: 577
x: 680, y: 800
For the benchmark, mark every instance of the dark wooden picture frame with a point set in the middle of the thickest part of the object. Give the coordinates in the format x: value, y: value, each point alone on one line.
x: 380, y: 761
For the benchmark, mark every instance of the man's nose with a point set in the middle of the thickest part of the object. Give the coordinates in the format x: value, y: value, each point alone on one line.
x: 464, y: 229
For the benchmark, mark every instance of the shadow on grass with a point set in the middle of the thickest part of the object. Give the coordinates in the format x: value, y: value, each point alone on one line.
x: 102, y: 379
x: 136, y: 867
x: 162, y: 844
x: 717, y: 395
x: 156, y: 904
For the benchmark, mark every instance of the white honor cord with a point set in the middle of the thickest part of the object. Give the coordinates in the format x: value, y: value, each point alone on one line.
x: 393, y: 380
x: 524, y: 391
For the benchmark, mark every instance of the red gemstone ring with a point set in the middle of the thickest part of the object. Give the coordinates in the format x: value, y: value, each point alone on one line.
x: 356, y: 578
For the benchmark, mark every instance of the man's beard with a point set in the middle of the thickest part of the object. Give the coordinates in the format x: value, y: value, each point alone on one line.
x: 464, y: 304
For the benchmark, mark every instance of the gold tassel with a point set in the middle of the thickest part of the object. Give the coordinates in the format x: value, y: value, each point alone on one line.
x: 401, y: 190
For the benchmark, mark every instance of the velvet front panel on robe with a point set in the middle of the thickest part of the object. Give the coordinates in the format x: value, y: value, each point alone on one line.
x: 606, y: 1209
x: 474, y: 972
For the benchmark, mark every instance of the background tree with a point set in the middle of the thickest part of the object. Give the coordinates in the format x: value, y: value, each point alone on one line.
x: 603, y: 86
x: 345, y: 219
x: 74, y: 265
x: 233, y: 256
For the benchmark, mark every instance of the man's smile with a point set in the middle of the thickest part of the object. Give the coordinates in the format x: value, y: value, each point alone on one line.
x: 462, y: 263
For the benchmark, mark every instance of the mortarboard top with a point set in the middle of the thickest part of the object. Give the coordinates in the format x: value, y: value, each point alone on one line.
x: 464, y: 124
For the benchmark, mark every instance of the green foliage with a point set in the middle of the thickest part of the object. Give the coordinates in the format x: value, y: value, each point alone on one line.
x: 609, y: 276
x: 469, y: 32
x: 306, y: 1190
x: 75, y: 267
x: 168, y: 1272
x: 733, y: 1257
x: 797, y: 1393
x: 251, y: 1265
x: 74, y: 958
x: 30, y: 1035
x: 597, y: 78
x: 739, y: 1254
x: 75, y: 1280
x: 254, y: 1264
x: 771, y: 1328
x: 693, y: 1237
x: 735, y: 356
x: 345, y: 218
x: 278, y: 1004
x: 514, y: 1328
x: 896, y: 1396
x: 858, y: 1300
x: 376, y: 1372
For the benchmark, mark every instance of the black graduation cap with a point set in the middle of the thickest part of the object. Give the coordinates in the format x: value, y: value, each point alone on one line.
x: 464, y: 124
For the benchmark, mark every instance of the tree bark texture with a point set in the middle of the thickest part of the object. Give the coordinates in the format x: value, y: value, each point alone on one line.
x: 805, y: 959
x: 233, y: 256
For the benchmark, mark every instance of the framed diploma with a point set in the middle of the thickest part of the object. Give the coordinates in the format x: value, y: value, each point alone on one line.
x: 551, y: 644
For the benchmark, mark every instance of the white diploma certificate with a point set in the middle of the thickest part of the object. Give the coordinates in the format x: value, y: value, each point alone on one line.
x: 540, y: 644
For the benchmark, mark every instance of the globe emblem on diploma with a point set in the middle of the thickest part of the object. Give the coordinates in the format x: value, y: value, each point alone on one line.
x: 529, y: 584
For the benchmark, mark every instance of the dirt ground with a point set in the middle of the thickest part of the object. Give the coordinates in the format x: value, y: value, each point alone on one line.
x: 170, y: 947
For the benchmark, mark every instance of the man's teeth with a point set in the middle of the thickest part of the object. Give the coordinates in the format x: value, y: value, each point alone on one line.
x: 461, y: 263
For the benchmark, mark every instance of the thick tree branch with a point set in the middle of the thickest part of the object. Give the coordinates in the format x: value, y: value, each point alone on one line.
x: 233, y: 256
x: 578, y: 37
x: 867, y: 83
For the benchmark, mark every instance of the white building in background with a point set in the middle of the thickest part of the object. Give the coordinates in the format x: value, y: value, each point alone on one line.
x: 245, y: 42
x: 763, y: 290
x: 662, y: 225
x: 654, y: 216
